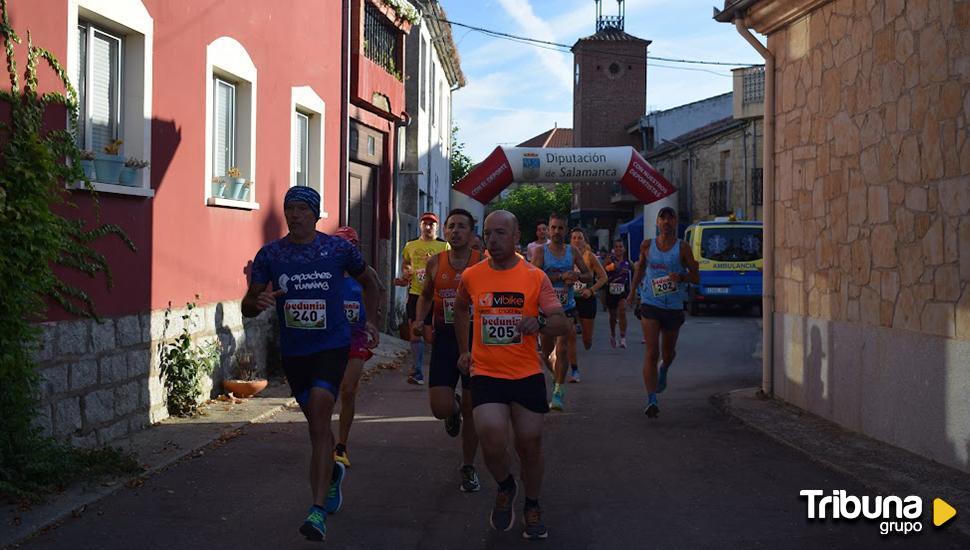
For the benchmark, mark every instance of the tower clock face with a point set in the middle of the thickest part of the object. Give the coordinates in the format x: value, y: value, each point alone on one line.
x: 614, y: 71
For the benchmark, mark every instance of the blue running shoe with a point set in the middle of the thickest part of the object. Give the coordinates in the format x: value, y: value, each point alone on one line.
x: 335, y: 497
x: 662, y: 379
x: 653, y: 408
x: 315, y: 526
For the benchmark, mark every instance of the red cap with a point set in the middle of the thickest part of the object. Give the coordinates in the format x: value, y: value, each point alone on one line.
x: 347, y: 233
x: 429, y: 216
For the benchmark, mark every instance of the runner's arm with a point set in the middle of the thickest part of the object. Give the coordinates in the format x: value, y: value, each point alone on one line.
x: 585, y: 275
x: 693, y: 269
x: 639, y: 271
x: 426, y: 299
x: 251, y: 306
x: 556, y: 322
x: 372, y: 290
x: 601, y: 277
x: 462, y: 317
x: 405, y: 278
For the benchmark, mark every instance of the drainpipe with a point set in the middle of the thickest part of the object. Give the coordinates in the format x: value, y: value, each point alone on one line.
x: 768, y: 189
x: 344, y: 112
x: 744, y: 167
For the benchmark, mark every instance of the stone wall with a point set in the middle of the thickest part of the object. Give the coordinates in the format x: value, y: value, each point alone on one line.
x: 100, y: 381
x: 873, y: 213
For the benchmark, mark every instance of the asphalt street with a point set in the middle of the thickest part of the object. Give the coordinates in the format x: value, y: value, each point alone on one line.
x: 693, y: 478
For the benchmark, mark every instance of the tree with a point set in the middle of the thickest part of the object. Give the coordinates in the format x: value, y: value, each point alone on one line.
x: 532, y: 204
x: 461, y: 164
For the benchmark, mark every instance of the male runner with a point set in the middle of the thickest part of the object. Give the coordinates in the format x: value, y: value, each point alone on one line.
x: 359, y: 350
x: 512, y: 301
x: 585, y: 298
x: 558, y: 260
x: 302, y: 276
x: 444, y: 273
x: 667, y: 261
x: 542, y: 239
x: 618, y: 270
x: 414, y: 261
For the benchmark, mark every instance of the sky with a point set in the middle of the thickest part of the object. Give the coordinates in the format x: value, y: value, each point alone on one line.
x: 516, y: 91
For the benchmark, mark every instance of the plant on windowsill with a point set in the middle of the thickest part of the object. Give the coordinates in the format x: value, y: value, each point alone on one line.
x: 130, y: 171
x: 239, y: 184
x: 404, y: 10
x: 108, y: 165
x: 246, y: 380
x: 219, y: 187
x: 184, y: 364
x: 87, y: 164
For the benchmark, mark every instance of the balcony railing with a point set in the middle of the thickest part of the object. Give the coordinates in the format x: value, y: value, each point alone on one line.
x: 719, y: 200
x: 381, y: 41
x: 753, y: 85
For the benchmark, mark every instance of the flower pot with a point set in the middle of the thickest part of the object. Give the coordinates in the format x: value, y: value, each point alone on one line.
x: 244, y: 388
x: 88, y: 167
x: 128, y: 176
x: 238, y: 190
x: 219, y: 189
x: 108, y: 167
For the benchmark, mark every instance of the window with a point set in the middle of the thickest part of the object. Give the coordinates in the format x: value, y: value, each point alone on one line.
x: 223, y: 127
x: 421, y: 84
x: 307, y: 139
x: 719, y: 202
x: 431, y: 85
x: 731, y: 244
x: 371, y: 145
x: 380, y: 40
x: 301, y: 148
x: 726, y: 165
x: 753, y: 85
x: 757, y: 180
x: 230, y: 125
x: 109, y: 60
x: 99, y: 87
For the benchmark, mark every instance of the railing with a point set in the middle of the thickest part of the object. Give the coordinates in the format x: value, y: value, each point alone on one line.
x: 753, y: 85
x: 609, y: 22
x: 719, y: 200
x: 380, y: 40
x: 757, y: 180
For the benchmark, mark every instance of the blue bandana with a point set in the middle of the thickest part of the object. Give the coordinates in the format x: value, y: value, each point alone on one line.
x: 305, y: 194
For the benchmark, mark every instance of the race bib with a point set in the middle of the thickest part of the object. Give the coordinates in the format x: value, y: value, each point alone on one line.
x: 419, y: 276
x: 352, y: 309
x: 617, y: 289
x: 448, y: 304
x: 501, y: 330
x: 663, y: 286
x: 563, y: 294
x: 305, y: 314
x: 578, y: 286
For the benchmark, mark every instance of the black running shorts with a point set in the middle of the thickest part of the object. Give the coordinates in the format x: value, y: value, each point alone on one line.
x: 412, y: 310
x: 669, y: 319
x: 586, y: 307
x: 530, y: 392
x: 613, y: 300
x: 324, y: 369
x: 443, y: 370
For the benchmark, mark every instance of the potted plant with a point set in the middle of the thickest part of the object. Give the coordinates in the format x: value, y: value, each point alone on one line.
x: 87, y: 164
x: 219, y: 188
x: 244, y: 192
x: 108, y: 165
x: 236, y: 182
x: 130, y: 171
x: 245, y: 381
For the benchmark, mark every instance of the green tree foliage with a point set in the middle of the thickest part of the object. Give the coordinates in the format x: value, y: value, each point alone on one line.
x: 461, y: 164
x: 35, y: 163
x: 532, y: 204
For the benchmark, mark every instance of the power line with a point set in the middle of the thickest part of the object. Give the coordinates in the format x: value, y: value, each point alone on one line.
x: 546, y: 43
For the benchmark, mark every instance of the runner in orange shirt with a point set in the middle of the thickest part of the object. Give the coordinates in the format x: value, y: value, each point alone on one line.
x: 513, y: 302
x: 444, y: 272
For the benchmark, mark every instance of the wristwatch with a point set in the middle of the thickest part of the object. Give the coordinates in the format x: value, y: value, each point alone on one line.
x: 541, y: 319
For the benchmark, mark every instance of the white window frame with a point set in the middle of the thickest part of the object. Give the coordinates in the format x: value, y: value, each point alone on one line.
x: 305, y: 101
x: 90, y: 30
x: 130, y: 21
x: 227, y: 59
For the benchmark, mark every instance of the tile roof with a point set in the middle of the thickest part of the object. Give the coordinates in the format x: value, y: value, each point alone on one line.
x: 697, y: 134
x: 556, y: 137
x: 613, y: 35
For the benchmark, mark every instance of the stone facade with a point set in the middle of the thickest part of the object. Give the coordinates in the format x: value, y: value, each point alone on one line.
x: 101, y: 381
x: 872, y: 232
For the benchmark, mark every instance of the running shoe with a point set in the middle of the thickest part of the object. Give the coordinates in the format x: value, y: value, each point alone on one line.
x: 534, y: 528
x: 613, y: 342
x: 469, y: 479
x: 557, y: 399
x: 574, y: 375
x: 340, y: 456
x: 453, y: 422
x: 653, y: 408
x: 623, y: 342
x: 416, y: 378
x: 662, y: 379
x: 579, y: 328
x: 335, y: 497
x: 315, y: 526
x: 503, y: 512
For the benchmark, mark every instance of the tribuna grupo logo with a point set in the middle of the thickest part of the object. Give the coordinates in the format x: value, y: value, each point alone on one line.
x: 899, y: 515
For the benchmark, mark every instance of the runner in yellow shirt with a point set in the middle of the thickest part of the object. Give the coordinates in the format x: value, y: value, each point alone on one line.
x: 414, y: 261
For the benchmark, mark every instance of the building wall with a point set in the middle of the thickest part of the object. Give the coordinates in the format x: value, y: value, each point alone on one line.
x: 873, y: 221
x: 670, y: 123
x: 604, y: 104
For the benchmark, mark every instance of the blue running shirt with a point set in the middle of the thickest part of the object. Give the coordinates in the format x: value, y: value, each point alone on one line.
x: 657, y: 289
x: 553, y: 265
x: 311, y: 311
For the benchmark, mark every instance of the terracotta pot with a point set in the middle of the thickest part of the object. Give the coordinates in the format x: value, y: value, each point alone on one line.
x: 244, y: 388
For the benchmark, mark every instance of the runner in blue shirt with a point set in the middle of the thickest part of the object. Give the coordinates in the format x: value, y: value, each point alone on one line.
x: 302, y: 277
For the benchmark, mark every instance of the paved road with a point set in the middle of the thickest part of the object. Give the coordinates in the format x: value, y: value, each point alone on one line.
x: 614, y: 479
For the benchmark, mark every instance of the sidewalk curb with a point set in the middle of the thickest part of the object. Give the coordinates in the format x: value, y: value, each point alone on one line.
x: 75, y: 500
x: 880, y: 467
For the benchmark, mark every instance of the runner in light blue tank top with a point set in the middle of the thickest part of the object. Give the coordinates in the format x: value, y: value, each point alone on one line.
x: 554, y: 266
x: 658, y: 289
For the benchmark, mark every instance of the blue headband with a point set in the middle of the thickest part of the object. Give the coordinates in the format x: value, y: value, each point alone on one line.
x: 305, y: 194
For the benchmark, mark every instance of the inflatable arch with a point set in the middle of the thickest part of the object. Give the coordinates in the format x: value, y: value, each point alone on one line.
x: 506, y: 165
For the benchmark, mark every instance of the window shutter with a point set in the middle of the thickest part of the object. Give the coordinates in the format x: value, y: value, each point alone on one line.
x: 105, y: 61
x: 223, y: 146
x: 304, y: 144
x: 81, y: 80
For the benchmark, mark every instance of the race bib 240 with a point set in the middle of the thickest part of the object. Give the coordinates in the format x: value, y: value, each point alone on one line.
x: 305, y: 314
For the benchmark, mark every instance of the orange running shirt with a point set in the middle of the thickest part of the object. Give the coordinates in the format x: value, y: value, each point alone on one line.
x: 446, y: 281
x: 500, y: 299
